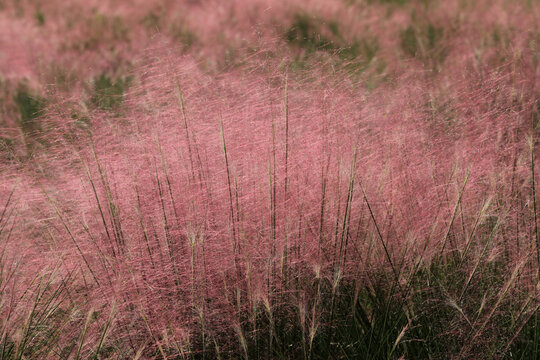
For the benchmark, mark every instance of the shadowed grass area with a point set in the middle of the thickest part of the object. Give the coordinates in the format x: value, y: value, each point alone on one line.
x: 314, y: 35
x: 30, y: 107
x: 109, y: 92
x: 424, y: 42
x: 373, y: 318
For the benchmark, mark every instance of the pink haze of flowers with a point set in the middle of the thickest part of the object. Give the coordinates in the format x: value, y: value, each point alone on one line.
x: 216, y: 176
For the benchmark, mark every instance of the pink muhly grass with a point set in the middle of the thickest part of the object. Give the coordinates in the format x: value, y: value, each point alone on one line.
x: 221, y: 200
x: 156, y: 220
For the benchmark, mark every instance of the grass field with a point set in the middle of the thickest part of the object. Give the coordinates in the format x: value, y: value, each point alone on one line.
x: 302, y: 179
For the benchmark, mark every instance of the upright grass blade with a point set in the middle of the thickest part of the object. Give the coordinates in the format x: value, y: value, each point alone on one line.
x: 180, y: 96
x: 347, y: 216
x: 478, y: 261
x: 168, y: 237
x: 6, y: 206
x: 105, y: 331
x: 286, y: 100
x: 233, y: 221
x: 381, y: 239
x: 533, y: 187
x: 168, y: 181
x: 114, y: 210
x: 66, y: 227
x: 98, y: 203
x: 479, y: 326
x: 485, y: 206
x: 83, y: 333
x: 445, y: 239
x: 228, y: 182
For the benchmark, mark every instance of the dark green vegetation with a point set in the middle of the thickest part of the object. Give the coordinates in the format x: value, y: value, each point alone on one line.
x: 424, y: 43
x: 30, y: 106
x: 314, y: 35
x: 109, y: 92
x: 436, y: 312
